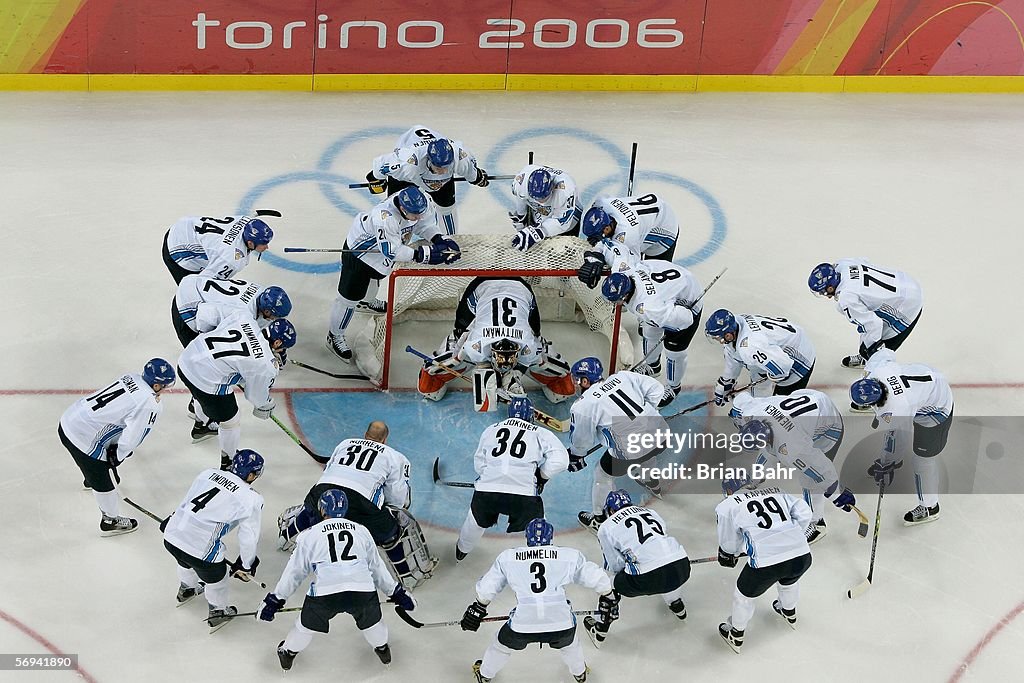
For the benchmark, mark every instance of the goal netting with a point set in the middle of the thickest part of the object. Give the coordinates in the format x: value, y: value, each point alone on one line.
x: 423, y: 292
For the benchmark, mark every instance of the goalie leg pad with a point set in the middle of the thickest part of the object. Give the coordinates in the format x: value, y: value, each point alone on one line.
x: 287, y: 527
x: 556, y: 389
x: 408, y: 557
x: 433, y: 387
x: 485, y: 390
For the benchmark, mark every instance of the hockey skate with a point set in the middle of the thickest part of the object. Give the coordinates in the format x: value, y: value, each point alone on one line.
x: 186, y: 593
x: 201, y: 432
x: 219, y: 618
x: 731, y: 636
x: 921, y: 515
x: 115, y: 526
x: 383, y: 653
x: 478, y: 677
x: 191, y: 410
x: 652, y: 485
x: 582, y: 678
x: 589, y: 520
x: 678, y: 608
x: 788, y: 614
x: 815, y: 532
x: 459, y: 555
x: 596, y: 630
x: 337, y: 345
x: 375, y: 307
x: 286, y: 657
x: 854, y: 362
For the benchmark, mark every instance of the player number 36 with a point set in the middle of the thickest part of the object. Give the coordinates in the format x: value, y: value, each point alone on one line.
x: 562, y: 33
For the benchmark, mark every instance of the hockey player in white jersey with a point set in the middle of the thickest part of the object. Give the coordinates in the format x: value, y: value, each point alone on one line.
x: 813, y: 410
x: 514, y: 460
x: 103, y: 429
x: 497, y: 330
x: 376, y: 242
x: 767, y: 524
x: 216, y: 502
x: 790, y: 442
x: 913, y: 403
x: 665, y: 298
x: 772, y: 348
x: 643, y: 557
x: 348, y: 572
x: 218, y: 247
x: 538, y: 574
x: 646, y: 225
x: 202, y: 303
x: 237, y: 352
x: 425, y: 158
x: 883, y: 303
x: 606, y: 408
x: 545, y: 203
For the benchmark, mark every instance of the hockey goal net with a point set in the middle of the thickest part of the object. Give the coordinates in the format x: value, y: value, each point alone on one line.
x: 424, y: 292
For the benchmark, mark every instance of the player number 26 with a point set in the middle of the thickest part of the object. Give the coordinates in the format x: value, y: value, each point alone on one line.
x: 562, y: 33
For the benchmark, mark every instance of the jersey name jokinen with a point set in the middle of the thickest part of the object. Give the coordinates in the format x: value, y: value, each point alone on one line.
x: 511, y: 452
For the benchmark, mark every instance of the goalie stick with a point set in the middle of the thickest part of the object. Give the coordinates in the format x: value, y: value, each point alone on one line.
x: 862, y: 587
x: 404, y: 616
x: 541, y: 417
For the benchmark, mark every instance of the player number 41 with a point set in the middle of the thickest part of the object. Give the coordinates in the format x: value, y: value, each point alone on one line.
x: 562, y: 33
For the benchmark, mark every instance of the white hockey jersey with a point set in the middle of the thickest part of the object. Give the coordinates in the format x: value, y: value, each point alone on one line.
x: 237, y: 351
x: 772, y: 347
x: 558, y: 214
x: 917, y: 394
x: 647, y: 224
x: 634, y: 539
x: 205, y: 302
x: 209, y: 246
x: 618, y: 257
x: 123, y: 412
x: 767, y: 524
x: 511, y: 451
x: 216, y: 503
x: 881, y: 302
x: 342, y: 556
x: 408, y: 161
x: 813, y: 411
x: 380, y: 237
x: 502, y: 309
x: 604, y: 412
x: 377, y: 471
x: 538, y: 576
x: 665, y: 295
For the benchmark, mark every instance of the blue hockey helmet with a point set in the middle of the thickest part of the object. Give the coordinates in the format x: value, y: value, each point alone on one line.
x: 412, y: 202
x: 539, y: 532
x: 617, y: 287
x: 595, y: 221
x: 824, y: 279
x: 540, y: 184
x: 756, y: 434
x: 617, y: 500
x: 521, y: 407
x: 275, y: 301
x: 867, y: 392
x: 333, y: 503
x: 588, y: 367
x: 440, y: 153
x: 257, y: 232
x: 247, y: 462
x: 158, y: 371
x: 283, y: 331
x: 721, y: 323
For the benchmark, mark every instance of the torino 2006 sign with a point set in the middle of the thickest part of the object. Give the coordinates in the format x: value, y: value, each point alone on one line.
x: 425, y: 34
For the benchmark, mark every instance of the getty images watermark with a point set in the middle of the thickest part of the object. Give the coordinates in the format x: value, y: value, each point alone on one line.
x: 647, y: 446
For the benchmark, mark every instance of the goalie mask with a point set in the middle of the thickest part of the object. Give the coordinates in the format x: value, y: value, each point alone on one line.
x: 504, y: 354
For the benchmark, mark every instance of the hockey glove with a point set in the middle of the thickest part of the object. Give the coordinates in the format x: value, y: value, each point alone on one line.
x: 473, y: 617
x: 452, y: 252
x: 540, y: 481
x: 375, y: 186
x: 241, y: 572
x: 884, y: 471
x: 590, y: 272
x: 402, y: 599
x: 723, y: 387
x: 433, y: 254
x: 481, y: 178
x: 608, y: 607
x: 265, y: 412
x: 112, y: 455
x: 164, y: 522
x: 725, y: 559
x: 845, y: 500
x: 577, y: 462
x: 526, y: 238
x: 518, y: 220
x: 867, y: 351
x: 271, y: 606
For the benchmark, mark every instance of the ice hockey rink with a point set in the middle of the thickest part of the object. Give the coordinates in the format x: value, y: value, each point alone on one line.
x: 768, y: 185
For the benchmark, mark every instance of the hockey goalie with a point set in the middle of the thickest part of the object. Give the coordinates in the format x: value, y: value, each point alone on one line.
x: 496, y: 338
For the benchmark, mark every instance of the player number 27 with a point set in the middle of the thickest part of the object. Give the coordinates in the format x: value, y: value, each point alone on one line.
x: 231, y: 337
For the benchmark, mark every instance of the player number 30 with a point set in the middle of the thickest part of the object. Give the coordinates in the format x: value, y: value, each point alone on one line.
x: 562, y: 33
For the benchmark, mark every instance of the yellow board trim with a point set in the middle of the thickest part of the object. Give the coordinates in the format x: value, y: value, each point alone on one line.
x: 517, y: 82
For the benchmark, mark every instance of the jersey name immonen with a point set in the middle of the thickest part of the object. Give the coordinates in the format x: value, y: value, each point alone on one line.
x: 767, y: 524
x: 377, y: 471
x: 209, y: 246
x: 634, y: 539
x: 510, y: 453
x: 123, y: 413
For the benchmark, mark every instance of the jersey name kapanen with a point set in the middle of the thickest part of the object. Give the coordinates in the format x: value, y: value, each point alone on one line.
x: 767, y: 524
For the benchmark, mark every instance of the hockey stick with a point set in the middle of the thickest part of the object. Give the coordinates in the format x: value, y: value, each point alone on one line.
x: 143, y: 510
x: 529, y: 158
x: 714, y: 558
x: 731, y: 392
x: 330, y: 374
x: 862, y: 528
x: 404, y: 616
x: 268, y: 212
x: 543, y: 418
x: 302, y: 250
x: 322, y: 459
x: 356, y: 186
x: 862, y: 587
x: 253, y: 614
x: 632, y: 170
x: 436, y: 472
